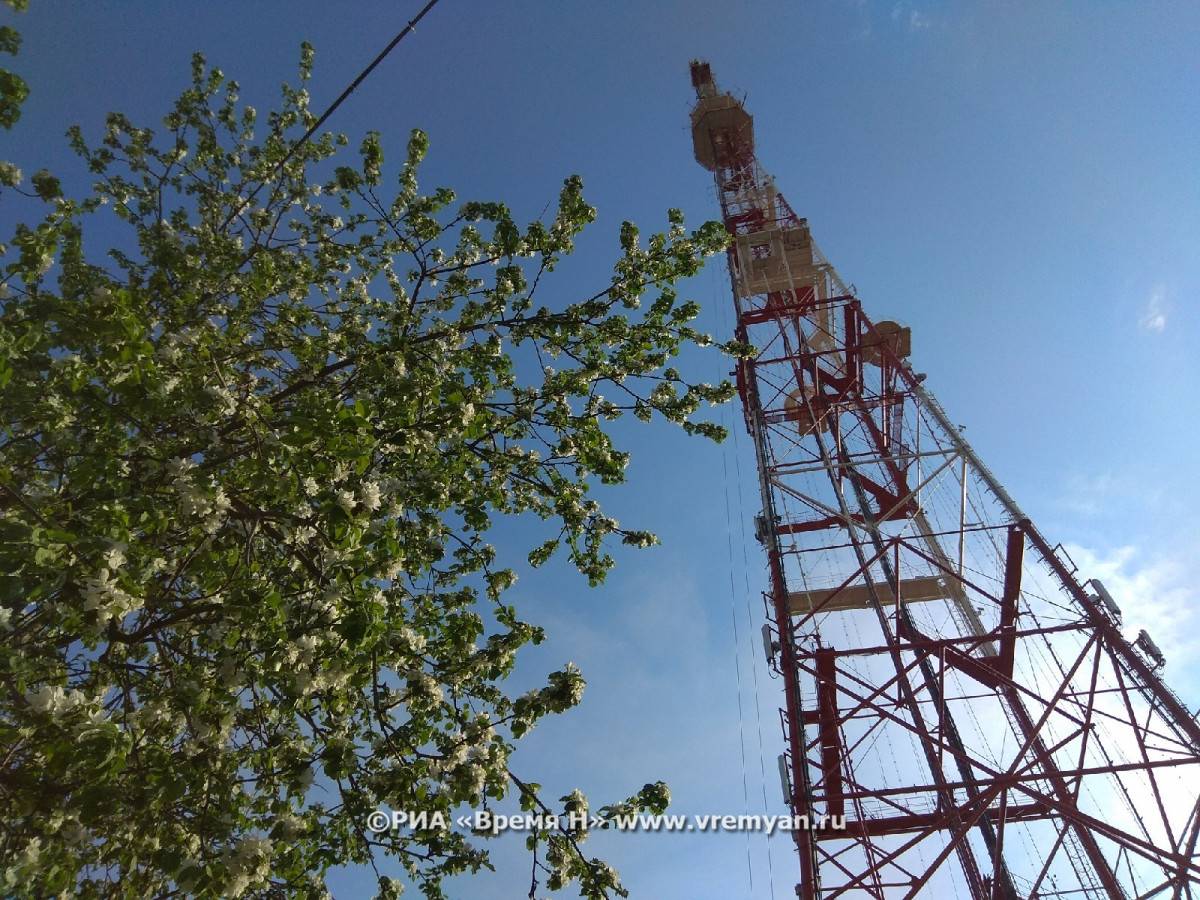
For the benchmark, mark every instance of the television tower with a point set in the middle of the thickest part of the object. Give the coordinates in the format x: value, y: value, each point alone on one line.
x: 963, y: 716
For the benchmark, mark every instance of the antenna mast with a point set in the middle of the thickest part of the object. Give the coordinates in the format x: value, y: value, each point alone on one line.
x: 962, y: 714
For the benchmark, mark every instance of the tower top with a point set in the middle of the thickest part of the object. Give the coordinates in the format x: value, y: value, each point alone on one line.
x: 721, y: 129
x: 702, y: 79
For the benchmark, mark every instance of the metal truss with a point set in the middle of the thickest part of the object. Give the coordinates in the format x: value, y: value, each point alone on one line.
x: 963, y: 715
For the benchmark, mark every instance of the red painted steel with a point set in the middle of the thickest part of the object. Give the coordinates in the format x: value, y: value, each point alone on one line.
x: 950, y: 687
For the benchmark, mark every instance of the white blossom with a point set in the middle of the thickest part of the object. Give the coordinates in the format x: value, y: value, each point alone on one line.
x: 229, y: 672
x: 371, y: 495
x: 424, y: 689
x: 31, y: 853
x: 412, y: 640
x: 306, y: 648
x: 114, y: 557
x: 180, y: 466
x: 195, y: 501
x: 54, y: 700
x: 226, y: 401
x: 480, y: 730
x: 253, y: 846
x: 303, y: 682
x: 290, y: 826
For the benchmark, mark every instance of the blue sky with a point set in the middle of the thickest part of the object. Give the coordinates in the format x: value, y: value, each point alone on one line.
x: 1018, y: 183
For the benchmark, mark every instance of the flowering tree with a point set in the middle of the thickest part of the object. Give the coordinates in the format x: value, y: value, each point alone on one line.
x: 13, y: 89
x: 247, y: 465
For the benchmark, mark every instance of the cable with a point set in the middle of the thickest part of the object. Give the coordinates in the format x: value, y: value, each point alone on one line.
x: 408, y: 29
x: 733, y: 449
x: 754, y: 668
x: 737, y: 665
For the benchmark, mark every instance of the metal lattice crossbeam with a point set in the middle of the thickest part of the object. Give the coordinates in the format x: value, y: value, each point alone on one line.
x: 954, y: 696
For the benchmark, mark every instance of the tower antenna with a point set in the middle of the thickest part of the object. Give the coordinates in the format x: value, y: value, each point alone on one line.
x: 963, y: 717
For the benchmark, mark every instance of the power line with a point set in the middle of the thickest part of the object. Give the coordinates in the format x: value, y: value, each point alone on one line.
x: 362, y: 76
x: 408, y: 29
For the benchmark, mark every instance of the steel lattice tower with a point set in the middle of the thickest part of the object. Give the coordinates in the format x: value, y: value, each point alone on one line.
x: 955, y: 695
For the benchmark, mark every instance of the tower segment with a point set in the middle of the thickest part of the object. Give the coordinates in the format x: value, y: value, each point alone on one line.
x: 963, y: 715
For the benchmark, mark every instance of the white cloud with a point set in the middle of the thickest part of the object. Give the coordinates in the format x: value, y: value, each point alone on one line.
x: 1088, y: 494
x: 1108, y: 496
x: 903, y: 11
x: 1154, y: 318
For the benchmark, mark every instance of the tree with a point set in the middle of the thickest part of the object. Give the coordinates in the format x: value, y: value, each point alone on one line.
x: 13, y: 89
x: 249, y: 461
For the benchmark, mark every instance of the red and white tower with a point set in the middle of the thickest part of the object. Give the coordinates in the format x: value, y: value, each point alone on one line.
x: 957, y: 700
